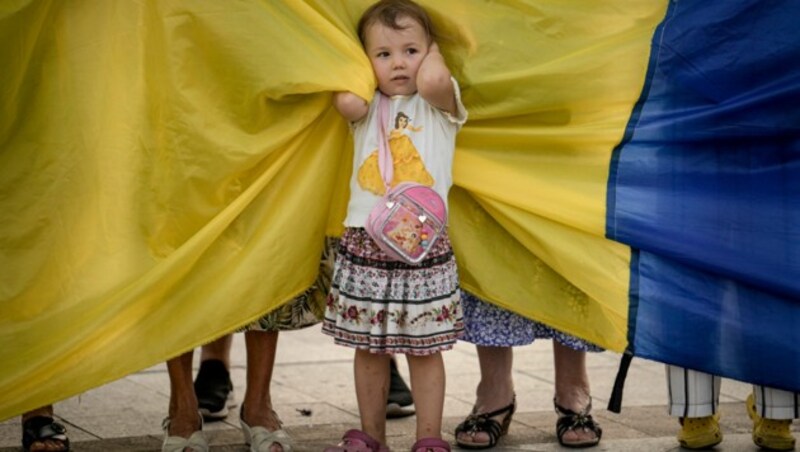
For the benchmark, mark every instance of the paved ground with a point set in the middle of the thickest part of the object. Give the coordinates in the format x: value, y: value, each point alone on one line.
x: 314, y: 376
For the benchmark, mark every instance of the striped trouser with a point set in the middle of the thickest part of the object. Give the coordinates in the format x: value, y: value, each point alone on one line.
x: 696, y: 394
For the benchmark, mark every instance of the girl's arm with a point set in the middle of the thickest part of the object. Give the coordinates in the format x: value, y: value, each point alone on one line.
x: 433, y: 81
x: 349, y: 105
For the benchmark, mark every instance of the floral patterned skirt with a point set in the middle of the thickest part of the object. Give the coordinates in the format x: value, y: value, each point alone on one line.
x: 386, y: 306
x: 490, y: 325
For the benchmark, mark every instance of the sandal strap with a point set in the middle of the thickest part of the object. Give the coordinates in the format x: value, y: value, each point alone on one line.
x: 510, y: 407
x: 197, y: 441
x: 570, y: 420
x: 586, y: 421
x: 356, y: 440
x: 567, y: 412
x: 430, y: 444
x: 263, y: 439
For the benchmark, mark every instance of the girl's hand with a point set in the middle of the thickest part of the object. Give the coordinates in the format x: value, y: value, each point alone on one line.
x: 433, y: 81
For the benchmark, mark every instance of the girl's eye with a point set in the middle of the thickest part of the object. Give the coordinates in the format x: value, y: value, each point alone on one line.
x: 412, y: 51
x: 383, y: 54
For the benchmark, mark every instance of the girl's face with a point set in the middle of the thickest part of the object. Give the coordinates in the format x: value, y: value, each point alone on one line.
x: 396, y: 55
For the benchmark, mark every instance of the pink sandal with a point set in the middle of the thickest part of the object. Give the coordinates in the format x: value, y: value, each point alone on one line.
x: 357, y: 441
x: 431, y: 445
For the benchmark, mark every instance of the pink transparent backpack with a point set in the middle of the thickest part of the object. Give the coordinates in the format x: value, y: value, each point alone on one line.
x: 410, y: 218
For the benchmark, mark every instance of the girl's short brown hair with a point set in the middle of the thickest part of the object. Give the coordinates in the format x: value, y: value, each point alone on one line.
x: 388, y: 12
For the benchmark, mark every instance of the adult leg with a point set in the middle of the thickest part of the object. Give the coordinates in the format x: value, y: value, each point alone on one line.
x: 183, y: 415
x: 694, y: 398
x: 573, y: 392
x: 372, y: 387
x: 427, y: 385
x: 219, y: 350
x: 772, y: 403
x: 213, y: 386
x: 41, y: 433
x: 495, y: 390
x: 256, y: 408
x: 692, y: 393
x: 772, y: 411
x: 572, y: 380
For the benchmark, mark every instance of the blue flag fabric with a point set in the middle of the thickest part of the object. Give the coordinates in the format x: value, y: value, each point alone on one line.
x: 705, y: 188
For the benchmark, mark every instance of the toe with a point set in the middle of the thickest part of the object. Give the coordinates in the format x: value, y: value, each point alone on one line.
x: 473, y: 438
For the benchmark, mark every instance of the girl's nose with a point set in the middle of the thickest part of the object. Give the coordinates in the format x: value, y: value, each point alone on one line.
x: 398, y: 63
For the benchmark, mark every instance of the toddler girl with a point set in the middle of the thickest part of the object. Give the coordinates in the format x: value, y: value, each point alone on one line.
x: 376, y: 305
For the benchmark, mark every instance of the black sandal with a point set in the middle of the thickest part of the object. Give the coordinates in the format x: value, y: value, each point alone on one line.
x: 570, y: 420
x: 483, y: 422
x: 41, y: 429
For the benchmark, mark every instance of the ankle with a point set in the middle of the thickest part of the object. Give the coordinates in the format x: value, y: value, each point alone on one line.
x: 184, y: 425
x: 46, y: 411
x: 576, y: 399
x: 266, y: 417
x: 491, y: 398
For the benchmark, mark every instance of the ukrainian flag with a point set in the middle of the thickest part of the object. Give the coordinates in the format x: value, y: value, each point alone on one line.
x: 705, y: 188
x: 169, y: 170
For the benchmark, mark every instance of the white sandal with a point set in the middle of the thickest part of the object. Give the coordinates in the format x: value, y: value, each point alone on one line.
x: 197, y: 442
x: 260, y: 439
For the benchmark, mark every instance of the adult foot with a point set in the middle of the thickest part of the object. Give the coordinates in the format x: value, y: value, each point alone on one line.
x: 183, y: 425
x: 699, y: 432
x: 263, y: 430
x: 214, y: 390
x: 770, y: 434
x: 40, y: 432
x: 575, y: 426
x: 184, y: 433
x: 482, y: 430
x: 492, y: 398
x: 399, y: 403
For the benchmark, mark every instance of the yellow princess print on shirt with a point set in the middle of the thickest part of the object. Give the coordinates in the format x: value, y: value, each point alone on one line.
x: 407, y: 164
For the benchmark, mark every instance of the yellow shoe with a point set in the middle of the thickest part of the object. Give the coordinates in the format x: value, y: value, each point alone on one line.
x: 700, y: 432
x: 772, y: 434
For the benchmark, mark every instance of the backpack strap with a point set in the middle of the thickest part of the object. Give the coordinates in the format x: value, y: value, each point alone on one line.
x: 384, y: 154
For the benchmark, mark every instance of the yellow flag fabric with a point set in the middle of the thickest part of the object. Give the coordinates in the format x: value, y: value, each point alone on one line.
x: 169, y: 170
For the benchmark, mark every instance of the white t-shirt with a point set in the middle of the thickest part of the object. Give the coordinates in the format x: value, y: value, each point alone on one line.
x: 422, y: 141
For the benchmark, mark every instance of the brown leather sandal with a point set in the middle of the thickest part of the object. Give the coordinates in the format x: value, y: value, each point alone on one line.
x: 570, y: 420
x: 483, y: 422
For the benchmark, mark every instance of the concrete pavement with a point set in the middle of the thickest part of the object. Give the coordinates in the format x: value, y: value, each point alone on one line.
x: 312, y: 391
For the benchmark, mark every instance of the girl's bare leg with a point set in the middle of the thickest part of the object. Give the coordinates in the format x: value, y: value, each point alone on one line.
x: 427, y: 388
x: 372, y: 387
